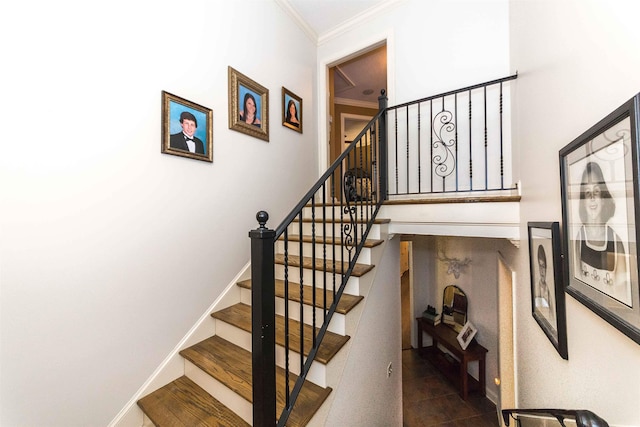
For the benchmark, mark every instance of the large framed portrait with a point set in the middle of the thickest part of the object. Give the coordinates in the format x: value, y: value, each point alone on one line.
x: 187, y: 128
x: 248, y: 106
x: 547, y: 292
x: 291, y: 110
x: 599, y: 183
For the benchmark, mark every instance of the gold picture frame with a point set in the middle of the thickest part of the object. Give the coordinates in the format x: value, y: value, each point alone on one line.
x: 291, y: 110
x: 243, y: 92
x: 181, y: 117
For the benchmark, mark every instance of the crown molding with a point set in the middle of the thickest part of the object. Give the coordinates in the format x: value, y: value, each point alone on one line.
x: 355, y: 103
x: 304, y: 26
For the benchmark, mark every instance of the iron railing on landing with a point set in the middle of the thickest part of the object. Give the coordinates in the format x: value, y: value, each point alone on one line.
x: 453, y: 142
x: 327, y: 229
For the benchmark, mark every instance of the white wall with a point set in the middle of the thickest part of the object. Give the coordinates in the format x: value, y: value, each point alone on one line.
x: 109, y: 250
x: 577, y: 60
x: 365, y: 395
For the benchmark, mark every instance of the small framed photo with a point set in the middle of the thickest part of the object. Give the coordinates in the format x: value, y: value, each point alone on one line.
x: 291, y: 110
x: 187, y: 128
x: 599, y: 184
x: 248, y: 106
x: 547, y: 292
x: 466, y: 334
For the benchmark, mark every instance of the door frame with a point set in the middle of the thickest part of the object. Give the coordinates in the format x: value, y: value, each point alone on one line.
x: 349, y: 49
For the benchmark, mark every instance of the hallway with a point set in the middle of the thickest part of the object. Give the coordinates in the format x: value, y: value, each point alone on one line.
x: 428, y: 399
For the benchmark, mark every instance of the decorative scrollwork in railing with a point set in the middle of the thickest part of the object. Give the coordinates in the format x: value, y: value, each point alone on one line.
x: 349, y: 228
x: 444, y: 132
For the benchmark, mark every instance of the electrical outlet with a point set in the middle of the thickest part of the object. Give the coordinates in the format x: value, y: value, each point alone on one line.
x: 389, y: 369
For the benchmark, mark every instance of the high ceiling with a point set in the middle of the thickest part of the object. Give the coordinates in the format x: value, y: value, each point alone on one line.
x: 357, y: 79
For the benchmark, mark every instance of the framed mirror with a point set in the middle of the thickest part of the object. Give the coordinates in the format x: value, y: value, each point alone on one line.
x: 454, y: 307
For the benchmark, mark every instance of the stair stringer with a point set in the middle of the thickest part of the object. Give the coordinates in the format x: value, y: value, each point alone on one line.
x: 335, y: 371
x: 364, y: 394
x: 173, y: 365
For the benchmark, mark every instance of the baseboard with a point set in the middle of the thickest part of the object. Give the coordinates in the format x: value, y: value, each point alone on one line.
x: 173, y: 365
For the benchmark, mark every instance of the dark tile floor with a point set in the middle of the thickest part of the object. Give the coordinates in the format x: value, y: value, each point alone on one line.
x: 429, y: 399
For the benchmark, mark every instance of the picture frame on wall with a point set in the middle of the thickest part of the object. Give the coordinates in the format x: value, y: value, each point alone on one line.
x: 599, y: 185
x: 187, y: 128
x: 248, y: 106
x: 547, y: 292
x: 291, y: 110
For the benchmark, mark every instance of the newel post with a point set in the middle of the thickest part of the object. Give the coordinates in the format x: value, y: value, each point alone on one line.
x: 382, y: 144
x: 263, y: 336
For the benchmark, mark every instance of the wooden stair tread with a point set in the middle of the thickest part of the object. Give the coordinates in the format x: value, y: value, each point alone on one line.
x: 183, y: 403
x: 369, y: 243
x: 340, y: 267
x: 346, y: 303
x: 231, y: 365
x: 239, y: 315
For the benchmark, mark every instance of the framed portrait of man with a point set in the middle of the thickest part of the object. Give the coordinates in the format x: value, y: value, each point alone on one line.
x: 599, y: 175
x: 187, y: 128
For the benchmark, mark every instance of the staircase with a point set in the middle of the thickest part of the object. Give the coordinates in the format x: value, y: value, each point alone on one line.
x: 216, y: 388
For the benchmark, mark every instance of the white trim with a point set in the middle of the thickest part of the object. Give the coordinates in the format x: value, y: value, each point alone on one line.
x: 359, y: 18
x: 124, y: 416
x: 304, y: 26
x: 355, y: 103
x: 385, y: 36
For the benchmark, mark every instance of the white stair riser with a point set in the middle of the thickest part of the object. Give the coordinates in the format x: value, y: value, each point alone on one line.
x: 352, y: 286
x: 335, y: 230
x: 337, y: 324
x: 225, y: 395
x: 324, y: 251
x: 242, y: 339
x: 364, y: 211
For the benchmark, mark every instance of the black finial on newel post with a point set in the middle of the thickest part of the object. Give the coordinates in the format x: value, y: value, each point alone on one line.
x: 263, y: 317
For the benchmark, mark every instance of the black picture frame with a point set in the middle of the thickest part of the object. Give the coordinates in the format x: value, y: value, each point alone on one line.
x: 176, y: 113
x: 547, y: 291
x: 599, y: 186
x: 242, y: 90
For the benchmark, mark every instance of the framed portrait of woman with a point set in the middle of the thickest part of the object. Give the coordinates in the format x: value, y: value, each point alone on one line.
x: 599, y: 184
x: 547, y: 293
x: 291, y: 110
x: 248, y: 106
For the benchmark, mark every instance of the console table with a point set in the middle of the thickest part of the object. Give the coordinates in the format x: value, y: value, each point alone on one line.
x: 455, y: 370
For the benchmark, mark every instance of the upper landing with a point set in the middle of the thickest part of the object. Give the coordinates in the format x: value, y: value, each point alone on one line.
x: 490, y: 214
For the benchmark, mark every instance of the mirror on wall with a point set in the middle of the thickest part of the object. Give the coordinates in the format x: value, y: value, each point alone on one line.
x: 454, y: 307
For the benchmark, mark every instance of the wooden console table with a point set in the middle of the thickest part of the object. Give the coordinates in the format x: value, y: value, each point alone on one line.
x: 455, y: 370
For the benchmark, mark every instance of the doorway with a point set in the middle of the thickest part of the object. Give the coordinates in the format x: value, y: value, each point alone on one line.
x: 354, y: 84
x: 406, y: 292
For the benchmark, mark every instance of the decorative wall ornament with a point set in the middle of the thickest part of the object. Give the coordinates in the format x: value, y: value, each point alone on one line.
x: 455, y: 265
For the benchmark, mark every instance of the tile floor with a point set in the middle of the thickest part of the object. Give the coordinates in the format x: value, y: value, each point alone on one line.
x: 429, y: 399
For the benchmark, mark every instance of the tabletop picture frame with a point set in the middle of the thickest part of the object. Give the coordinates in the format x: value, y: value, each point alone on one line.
x: 547, y: 291
x: 466, y: 335
x: 181, y: 117
x: 291, y: 110
x: 246, y: 94
x: 599, y: 187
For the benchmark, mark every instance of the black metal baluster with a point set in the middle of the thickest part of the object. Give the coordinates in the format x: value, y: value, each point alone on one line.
x: 431, y: 177
x: 301, y: 255
x: 407, y: 131
x: 313, y: 269
x: 286, y: 318
x: 444, y: 145
x: 324, y: 253
x: 456, y: 137
x: 470, y: 148
x: 419, y: 155
x: 501, y: 146
x: 486, y: 154
x: 396, y: 152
